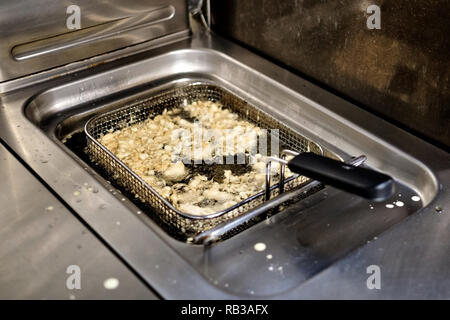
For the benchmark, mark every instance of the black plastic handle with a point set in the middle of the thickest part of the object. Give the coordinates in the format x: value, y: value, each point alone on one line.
x: 360, y: 181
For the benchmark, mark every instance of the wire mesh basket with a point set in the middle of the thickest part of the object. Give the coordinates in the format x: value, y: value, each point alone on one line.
x: 186, y: 224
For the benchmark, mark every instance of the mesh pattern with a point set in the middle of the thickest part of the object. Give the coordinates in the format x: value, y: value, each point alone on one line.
x: 186, y: 224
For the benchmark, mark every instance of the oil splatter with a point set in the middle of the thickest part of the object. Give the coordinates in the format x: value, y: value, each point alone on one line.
x: 438, y: 209
x: 399, y: 204
x: 111, y: 283
x: 260, y: 246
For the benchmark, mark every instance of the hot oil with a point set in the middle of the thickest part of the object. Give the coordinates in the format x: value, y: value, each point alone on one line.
x: 216, y: 171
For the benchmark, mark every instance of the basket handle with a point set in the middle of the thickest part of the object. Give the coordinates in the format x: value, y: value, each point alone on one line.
x: 364, y: 182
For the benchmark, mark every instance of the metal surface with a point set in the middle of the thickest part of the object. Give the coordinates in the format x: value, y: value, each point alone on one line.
x: 40, y: 238
x: 42, y: 40
x: 321, y: 247
x: 400, y: 72
x: 187, y: 225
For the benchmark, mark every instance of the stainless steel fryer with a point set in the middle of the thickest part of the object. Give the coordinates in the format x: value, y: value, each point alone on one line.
x: 186, y: 224
x: 325, y: 238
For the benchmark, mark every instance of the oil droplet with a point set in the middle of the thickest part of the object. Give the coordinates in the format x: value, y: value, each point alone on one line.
x: 111, y: 283
x: 415, y: 198
x: 269, y: 256
x: 118, y: 223
x: 270, y: 268
x: 76, y: 193
x: 49, y: 208
x: 260, y: 246
x: 370, y: 207
x: 389, y: 206
x: 399, y: 204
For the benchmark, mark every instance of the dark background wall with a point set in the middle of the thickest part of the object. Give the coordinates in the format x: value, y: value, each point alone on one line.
x: 400, y: 72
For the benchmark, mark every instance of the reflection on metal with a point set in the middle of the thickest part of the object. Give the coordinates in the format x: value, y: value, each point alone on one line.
x: 42, y: 41
x: 92, y: 34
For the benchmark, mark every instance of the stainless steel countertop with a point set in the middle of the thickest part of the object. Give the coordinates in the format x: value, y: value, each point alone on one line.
x: 40, y: 238
x: 412, y: 254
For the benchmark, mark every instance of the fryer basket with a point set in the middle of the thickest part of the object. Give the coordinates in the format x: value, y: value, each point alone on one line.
x: 186, y: 224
